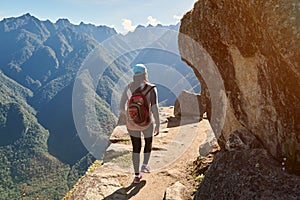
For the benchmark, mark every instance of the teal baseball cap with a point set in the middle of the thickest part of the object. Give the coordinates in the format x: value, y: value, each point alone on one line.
x: 139, y: 69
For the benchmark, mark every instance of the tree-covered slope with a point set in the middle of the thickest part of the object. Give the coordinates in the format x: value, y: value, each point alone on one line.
x: 39, y: 61
x: 25, y: 161
x: 41, y: 149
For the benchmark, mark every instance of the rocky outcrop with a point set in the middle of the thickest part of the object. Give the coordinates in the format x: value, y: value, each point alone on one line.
x: 115, y: 150
x: 247, y: 174
x: 188, y: 108
x: 189, y: 105
x: 99, y: 183
x: 175, y: 192
x: 254, y: 47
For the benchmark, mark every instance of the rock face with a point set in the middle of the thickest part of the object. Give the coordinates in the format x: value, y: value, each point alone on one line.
x: 255, y: 48
x: 248, y: 174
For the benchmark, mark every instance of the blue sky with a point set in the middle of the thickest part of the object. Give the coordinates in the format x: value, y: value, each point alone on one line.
x: 123, y: 15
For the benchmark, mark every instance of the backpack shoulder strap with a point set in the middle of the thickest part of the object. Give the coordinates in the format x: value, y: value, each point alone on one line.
x: 149, y: 88
x: 145, y: 90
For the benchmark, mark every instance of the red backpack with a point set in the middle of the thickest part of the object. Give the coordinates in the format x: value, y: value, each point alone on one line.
x: 138, y: 112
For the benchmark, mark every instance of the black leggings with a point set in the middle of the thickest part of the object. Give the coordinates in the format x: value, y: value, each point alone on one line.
x: 136, y: 141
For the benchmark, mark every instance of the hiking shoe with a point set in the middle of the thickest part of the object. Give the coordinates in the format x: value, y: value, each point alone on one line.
x: 137, y: 179
x: 145, y: 169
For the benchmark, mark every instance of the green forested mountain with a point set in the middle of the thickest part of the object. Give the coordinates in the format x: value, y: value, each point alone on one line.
x: 25, y: 161
x: 38, y: 61
x: 41, y: 151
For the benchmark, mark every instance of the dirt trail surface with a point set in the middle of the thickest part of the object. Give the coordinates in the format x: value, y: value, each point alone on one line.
x: 174, y: 150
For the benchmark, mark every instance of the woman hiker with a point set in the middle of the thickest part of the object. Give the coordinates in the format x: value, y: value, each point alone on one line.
x: 138, y: 103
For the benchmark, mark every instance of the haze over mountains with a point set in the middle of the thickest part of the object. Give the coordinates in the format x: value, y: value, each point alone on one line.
x: 40, y: 150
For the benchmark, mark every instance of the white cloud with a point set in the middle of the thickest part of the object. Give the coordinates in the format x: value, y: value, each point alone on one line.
x: 127, y: 25
x: 177, y: 18
x: 152, y: 21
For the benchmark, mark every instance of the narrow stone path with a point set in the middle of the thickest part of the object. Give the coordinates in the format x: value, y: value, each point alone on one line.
x: 174, y: 150
x: 178, y: 170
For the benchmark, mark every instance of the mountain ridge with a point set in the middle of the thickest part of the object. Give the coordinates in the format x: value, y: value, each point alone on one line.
x: 39, y: 62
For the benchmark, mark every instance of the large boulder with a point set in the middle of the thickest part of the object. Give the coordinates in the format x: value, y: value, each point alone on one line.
x: 189, y: 105
x: 175, y: 192
x: 255, y: 46
x: 247, y: 174
x: 188, y: 108
x: 116, y: 150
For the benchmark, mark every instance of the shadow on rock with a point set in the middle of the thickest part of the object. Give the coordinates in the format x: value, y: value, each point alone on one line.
x: 127, y: 192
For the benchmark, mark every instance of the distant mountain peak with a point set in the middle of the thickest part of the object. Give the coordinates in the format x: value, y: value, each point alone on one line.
x: 140, y: 26
x: 85, y: 24
x: 27, y: 15
x: 171, y: 27
x: 63, y: 21
x: 150, y: 26
x: 14, y: 23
